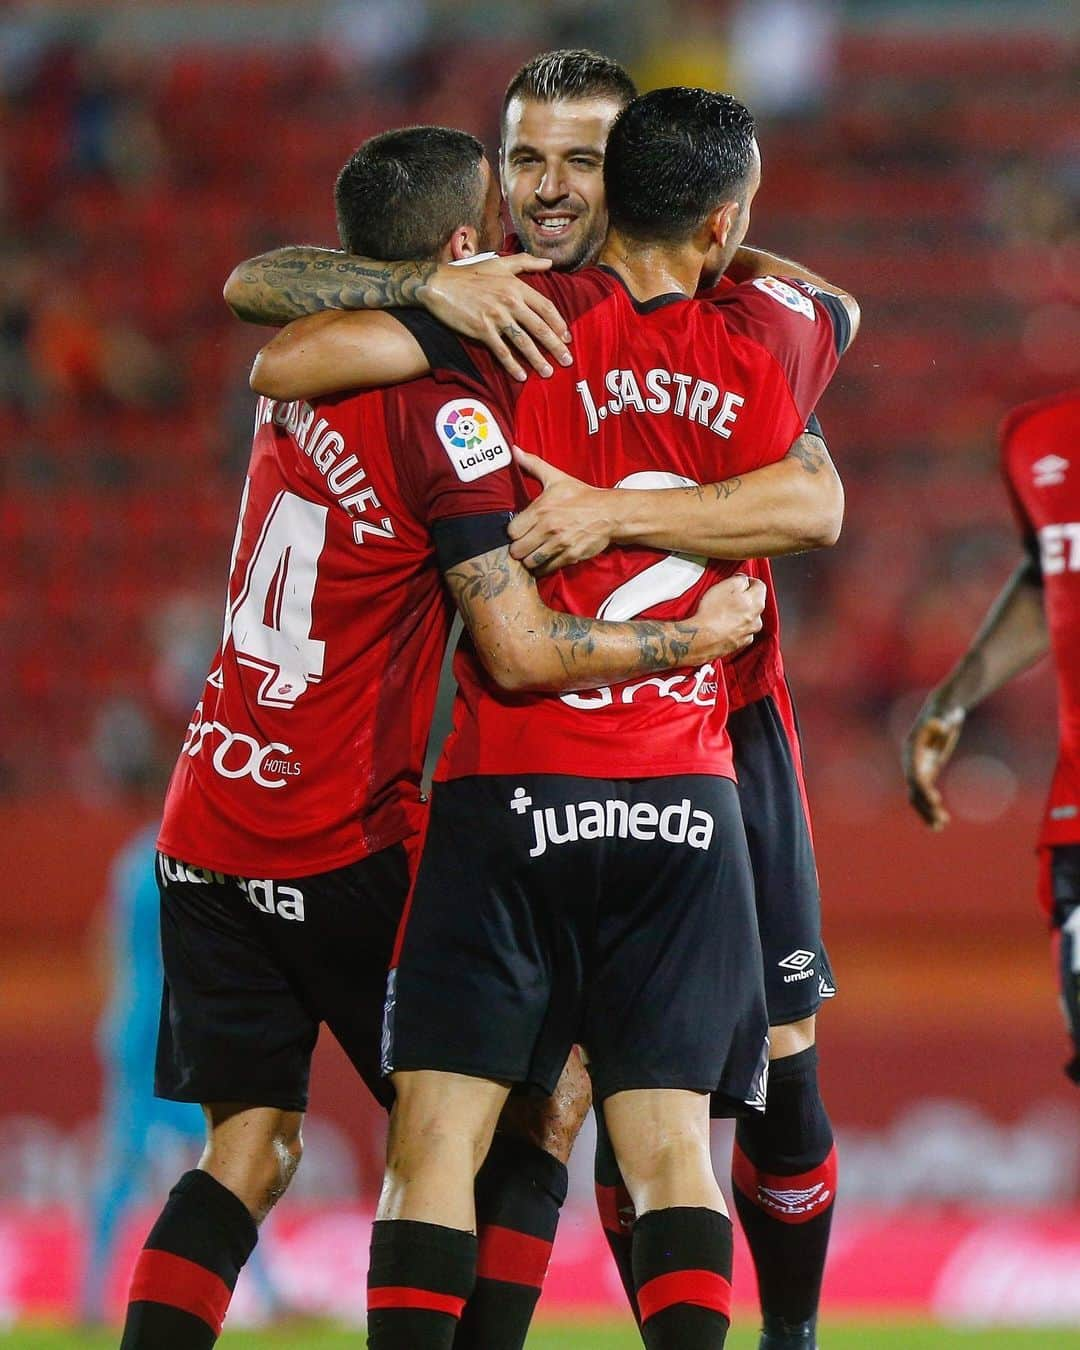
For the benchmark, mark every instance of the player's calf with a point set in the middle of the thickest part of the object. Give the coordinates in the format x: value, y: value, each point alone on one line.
x: 682, y: 1237
x: 520, y: 1191
x: 784, y: 1175
x: 185, y: 1275
x: 423, y: 1242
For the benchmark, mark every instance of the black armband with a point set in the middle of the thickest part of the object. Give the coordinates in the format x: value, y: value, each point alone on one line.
x: 442, y: 347
x: 841, y: 319
x: 813, y: 427
x: 460, y: 537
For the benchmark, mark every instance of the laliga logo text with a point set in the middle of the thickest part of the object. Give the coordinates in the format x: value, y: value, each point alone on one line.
x: 679, y: 823
x: 237, y: 755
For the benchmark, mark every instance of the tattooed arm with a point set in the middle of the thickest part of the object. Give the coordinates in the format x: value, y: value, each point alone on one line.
x: 524, y: 645
x: 282, y: 285
x: 486, y: 301
x: 795, y: 504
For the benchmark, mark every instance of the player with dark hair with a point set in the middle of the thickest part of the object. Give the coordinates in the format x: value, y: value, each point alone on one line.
x: 557, y: 115
x: 1038, y: 610
x: 633, y: 400
x: 283, y: 859
x: 426, y: 182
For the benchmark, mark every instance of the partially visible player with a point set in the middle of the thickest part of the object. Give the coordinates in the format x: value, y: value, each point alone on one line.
x: 558, y: 110
x: 1038, y: 610
x: 283, y: 859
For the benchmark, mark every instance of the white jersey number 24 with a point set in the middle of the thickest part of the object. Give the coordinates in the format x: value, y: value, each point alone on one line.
x: 269, y: 622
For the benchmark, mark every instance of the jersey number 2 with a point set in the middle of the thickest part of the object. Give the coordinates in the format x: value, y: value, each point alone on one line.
x: 664, y: 580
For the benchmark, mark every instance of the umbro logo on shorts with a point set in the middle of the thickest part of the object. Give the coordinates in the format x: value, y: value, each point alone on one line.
x: 801, y: 963
x: 680, y: 823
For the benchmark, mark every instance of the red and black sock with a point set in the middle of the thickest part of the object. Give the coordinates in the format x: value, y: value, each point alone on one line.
x: 187, y: 1270
x: 784, y: 1171
x: 419, y: 1279
x: 682, y: 1271
x: 519, y: 1192
x: 616, y: 1210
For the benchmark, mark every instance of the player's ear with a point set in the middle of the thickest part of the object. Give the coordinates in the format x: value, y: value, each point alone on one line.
x: 722, y: 221
x: 464, y: 242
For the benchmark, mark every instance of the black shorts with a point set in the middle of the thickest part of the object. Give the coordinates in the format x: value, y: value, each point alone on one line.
x: 253, y: 967
x: 768, y: 763
x: 550, y: 910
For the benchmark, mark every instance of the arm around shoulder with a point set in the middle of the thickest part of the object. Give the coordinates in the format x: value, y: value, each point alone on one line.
x: 526, y: 646
x: 335, y: 351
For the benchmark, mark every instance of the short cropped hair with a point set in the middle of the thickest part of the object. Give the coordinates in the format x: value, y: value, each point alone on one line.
x: 673, y: 156
x: 403, y: 193
x: 571, y: 73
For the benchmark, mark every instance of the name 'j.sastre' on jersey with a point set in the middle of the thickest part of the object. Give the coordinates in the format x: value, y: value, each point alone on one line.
x: 661, y: 391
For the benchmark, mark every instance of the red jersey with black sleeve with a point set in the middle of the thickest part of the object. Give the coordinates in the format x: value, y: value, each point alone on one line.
x: 1040, y: 451
x: 667, y: 392
x: 306, y: 748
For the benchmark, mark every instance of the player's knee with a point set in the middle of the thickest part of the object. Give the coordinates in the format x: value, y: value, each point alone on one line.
x: 552, y: 1123
x: 428, y: 1124
x: 255, y: 1153
x: 288, y: 1146
x: 659, y: 1148
x: 792, y: 1038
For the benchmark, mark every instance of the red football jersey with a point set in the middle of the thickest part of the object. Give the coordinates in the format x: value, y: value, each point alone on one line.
x: 1040, y: 447
x: 661, y: 393
x: 306, y: 749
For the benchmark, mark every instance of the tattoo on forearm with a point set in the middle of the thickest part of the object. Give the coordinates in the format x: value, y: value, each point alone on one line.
x: 809, y: 454
x: 719, y: 492
x: 660, y: 645
x: 582, y: 644
x: 289, y: 282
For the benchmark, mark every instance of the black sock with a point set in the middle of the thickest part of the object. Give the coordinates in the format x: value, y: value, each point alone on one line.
x: 784, y: 1171
x: 616, y: 1210
x: 419, y: 1278
x: 682, y: 1271
x: 519, y: 1192
x: 187, y: 1269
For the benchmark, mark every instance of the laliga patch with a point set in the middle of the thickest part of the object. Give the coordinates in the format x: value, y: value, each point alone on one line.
x: 471, y: 437
x: 788, y: 296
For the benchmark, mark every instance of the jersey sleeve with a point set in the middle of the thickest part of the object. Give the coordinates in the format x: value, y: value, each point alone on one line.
x: 453, y: 452
x: 454, y: 359
x: 803, y: 328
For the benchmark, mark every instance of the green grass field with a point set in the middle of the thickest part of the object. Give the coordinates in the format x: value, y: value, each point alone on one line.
x: 849, y: 1336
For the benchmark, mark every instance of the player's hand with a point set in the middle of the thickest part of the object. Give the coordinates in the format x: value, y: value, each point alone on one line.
x: 928, y: 748
x: 732, y: 610
x: 569, y: 522
x: 487, y: 301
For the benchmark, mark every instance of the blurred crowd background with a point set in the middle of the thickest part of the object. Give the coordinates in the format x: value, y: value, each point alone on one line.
x: 926, y: 156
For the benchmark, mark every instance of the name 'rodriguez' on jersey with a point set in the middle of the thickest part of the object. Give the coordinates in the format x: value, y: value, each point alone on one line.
x: 662, y: 393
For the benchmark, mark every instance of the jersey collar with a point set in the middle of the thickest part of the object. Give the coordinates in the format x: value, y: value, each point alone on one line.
x: 645, y: 306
